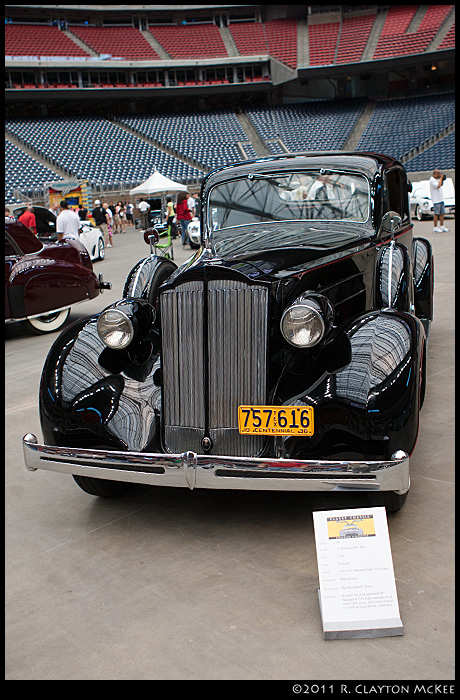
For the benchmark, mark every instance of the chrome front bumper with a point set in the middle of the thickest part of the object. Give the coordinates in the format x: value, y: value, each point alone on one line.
x: 217, y: 472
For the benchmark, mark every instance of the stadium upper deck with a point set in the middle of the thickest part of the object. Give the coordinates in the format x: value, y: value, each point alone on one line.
x: 218, y: 49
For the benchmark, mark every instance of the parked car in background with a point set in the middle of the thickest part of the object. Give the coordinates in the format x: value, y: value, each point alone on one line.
x: 287, y: 354
x: 421, y: 205
x: 194, y: 232
x: 91, y: 236
x: 43, y: 280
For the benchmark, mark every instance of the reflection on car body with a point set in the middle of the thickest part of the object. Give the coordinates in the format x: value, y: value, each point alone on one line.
x: 421, y: 205
x: 287, y: 353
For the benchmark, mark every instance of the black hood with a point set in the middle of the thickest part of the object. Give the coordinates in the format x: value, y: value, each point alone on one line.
x: 279, y: 250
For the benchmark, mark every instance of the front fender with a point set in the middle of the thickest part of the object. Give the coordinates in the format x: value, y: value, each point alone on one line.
x: 81, y: 402
x: 147, y: 275
x: 371, y: 406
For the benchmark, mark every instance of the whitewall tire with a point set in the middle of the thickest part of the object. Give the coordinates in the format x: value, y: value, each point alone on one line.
x: 48, y: 322
x: 100, y: 249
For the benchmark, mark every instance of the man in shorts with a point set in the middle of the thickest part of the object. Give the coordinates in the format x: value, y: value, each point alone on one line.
x: 100, y: 219
x: 437, y: 197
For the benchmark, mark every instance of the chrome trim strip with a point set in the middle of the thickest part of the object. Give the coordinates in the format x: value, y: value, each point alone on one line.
x: 199, y: 471
x: 47, y: 313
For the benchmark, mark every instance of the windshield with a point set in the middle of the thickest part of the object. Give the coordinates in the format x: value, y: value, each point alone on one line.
x: 305, y: 196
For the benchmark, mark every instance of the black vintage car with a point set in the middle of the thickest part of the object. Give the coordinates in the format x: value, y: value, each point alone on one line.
x: 287, y: 353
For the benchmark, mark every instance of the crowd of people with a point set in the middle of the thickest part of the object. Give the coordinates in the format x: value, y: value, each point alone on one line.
x: 181, y: 212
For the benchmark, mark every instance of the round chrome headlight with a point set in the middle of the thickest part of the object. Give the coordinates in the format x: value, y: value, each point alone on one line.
x: 302, y: 324
x: 115, y: 329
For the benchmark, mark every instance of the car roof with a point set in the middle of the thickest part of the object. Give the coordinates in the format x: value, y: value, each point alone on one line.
x: 366, y: 163
x: 23, y: 237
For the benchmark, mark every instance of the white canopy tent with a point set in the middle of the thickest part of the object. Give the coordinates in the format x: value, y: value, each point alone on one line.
x: 158, y: 184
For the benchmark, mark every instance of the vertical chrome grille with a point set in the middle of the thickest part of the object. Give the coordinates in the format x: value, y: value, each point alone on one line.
x: 236, y: 327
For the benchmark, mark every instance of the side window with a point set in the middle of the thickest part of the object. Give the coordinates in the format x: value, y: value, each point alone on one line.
x: 396, y: 196
x: 9, y: 248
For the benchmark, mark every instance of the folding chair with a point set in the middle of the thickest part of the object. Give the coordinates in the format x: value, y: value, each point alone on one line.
x: 162, y: 247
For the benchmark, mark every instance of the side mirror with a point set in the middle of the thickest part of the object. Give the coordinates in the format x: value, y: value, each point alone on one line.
x: 151, y: 232
x: 391, y: 221
x: 409, y: 186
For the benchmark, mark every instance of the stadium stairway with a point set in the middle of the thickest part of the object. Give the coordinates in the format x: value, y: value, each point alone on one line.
x: 148, y: 36
x: 160, y: 146
x: 428, y: 143
x: 79, y: 42
x: 303, y: 47
x: 416, y: 20
x: 443, y: 30
x: 252, y: 134
x: 374, y: 36
x: 66, y: 174
x: 228, y: 41
x: 359, y: 127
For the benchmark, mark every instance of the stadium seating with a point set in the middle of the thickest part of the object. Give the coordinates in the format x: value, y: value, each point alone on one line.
x: 323, y: 41
x: 98, y: 150
x: 308, y: 127
x: 105, y: 153
x: 440, y: 155
x: 394, y: 39
x: 39, y: 40
x: 124, y: 42
x: 396, y: 126
x: 190, y: 41
x: 449, y: 40
x: 353, y: 38
x: 276, y: 37
x: 208, y: 137
x: 24, y: 172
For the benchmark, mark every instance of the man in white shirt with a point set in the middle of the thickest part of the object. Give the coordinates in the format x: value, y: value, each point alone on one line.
x: 191, y: 205
x: 68, y: 223
x: 437, y: 197
x: 144, y: 210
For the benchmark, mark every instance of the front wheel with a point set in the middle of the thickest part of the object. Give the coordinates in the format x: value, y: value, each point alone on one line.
x: 392, y: 500
x: 420, y: 216
x: 48, y: 322
x: 104, y: 488
x: 100, y: 249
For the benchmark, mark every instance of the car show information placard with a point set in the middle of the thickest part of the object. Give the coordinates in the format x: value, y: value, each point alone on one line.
x: 357, y: 592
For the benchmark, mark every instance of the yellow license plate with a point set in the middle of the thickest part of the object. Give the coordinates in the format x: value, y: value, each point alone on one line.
x: 275, y: 420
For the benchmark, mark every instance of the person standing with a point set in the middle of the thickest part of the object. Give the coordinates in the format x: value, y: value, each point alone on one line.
x: 109, y: 217
x: 68, y: 223
x: 129, y: 214
x: 197, y: 204
x: 28, y: 219
x: 122, y: 217
x: 100, y: 219
x: 437, y: 197
x: 82, y: 212
x: 170, y: 214
x: 144, y: 208
x: 191, y: 205
x: 183, y: 215
x: 55, y: 209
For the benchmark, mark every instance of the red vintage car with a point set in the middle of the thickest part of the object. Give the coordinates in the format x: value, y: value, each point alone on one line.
x: 42, y: 281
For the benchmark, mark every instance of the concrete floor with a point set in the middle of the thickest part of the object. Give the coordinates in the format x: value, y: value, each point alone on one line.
x: 176, y: 584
